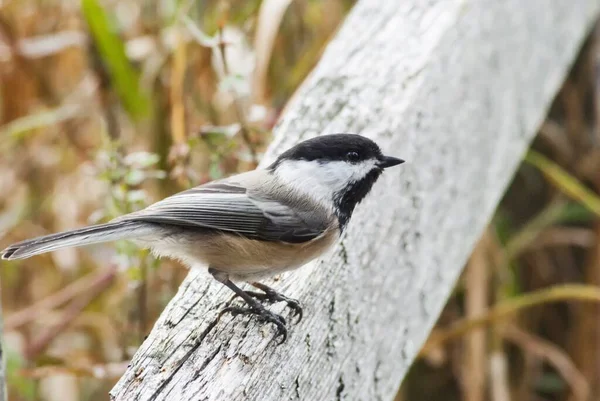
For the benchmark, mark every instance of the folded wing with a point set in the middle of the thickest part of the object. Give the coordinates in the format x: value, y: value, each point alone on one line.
x: 229, y: 207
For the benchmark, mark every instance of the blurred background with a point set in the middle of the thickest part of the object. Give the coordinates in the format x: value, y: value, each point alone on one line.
x: 107, y: 106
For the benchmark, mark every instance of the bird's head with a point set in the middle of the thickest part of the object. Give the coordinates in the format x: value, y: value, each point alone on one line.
x: 337, y: 170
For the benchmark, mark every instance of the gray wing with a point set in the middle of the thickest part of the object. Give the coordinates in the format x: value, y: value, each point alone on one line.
x: 230, y: 207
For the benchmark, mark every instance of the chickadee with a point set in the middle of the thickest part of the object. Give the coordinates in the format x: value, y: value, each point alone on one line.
x: 249, y: 226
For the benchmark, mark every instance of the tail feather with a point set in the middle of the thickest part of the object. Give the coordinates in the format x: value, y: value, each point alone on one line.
x: 83, y: 236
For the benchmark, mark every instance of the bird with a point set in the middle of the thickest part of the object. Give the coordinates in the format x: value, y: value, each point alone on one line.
x: 249, y: 226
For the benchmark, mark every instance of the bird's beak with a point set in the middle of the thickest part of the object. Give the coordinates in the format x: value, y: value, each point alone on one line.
x: 389, y: 161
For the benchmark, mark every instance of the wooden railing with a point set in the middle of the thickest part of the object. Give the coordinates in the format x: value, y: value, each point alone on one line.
x: 455, y: 87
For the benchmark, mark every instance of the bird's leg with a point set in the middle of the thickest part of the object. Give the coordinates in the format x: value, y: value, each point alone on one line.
x: 272, y: 296
x: 254, y: 307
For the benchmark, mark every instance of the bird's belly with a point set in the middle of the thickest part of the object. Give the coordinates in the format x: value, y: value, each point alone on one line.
x: 247, y: 259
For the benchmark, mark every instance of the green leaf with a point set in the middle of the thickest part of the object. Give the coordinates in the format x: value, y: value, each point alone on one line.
x: 134, y: 273
x: 236, y: 83
x: 565, y: 182
x: 215, y: 171
x: 125, y: 78
x: 142, y: 159
x: 576, y: 213
x: 135, y: 177
x: 137, y: 196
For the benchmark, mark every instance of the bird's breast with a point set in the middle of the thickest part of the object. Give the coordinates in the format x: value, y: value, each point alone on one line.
x: 244, y: 258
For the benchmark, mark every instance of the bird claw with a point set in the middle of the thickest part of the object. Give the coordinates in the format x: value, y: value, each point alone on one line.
x: 262, y: 314
x: 273, y: 297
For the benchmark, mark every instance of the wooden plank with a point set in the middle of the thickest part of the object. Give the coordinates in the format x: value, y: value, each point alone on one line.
x: 458, y: 89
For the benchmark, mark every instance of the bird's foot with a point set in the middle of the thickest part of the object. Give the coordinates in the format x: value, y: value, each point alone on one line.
x: 262, y: 314
x: 271, y: 296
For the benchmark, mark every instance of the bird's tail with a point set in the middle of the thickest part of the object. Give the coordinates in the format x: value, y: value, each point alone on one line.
x: 84, y: 236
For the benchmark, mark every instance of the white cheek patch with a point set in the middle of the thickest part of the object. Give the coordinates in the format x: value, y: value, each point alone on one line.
x: 322, y: 181
x: 360, y: 170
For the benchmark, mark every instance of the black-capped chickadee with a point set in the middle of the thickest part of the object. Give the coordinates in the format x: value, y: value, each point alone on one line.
x: 252, y: 225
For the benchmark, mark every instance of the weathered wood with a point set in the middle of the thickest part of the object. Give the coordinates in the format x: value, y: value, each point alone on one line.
x: 457, y: 88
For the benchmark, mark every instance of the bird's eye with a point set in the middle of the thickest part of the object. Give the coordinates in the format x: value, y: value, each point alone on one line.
x: 352, y: 157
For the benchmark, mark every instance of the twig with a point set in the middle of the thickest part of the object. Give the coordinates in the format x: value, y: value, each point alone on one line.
x: 567, y: 292
x: 106, y: 94
x: 44, y: 45
x: 523, y: 239
x: 19, y: 126
x: 571, y: 100
x: 555, y: 136
x: 586, y: 330
x: 180, y: 151
x: 109, y: 371
x: 564, y: 181
x: 499, y: 388
x: 498, y: 370
x: 270, y: 15
x: 553, y: 355
x: 239, y: 109
x: 72, y: 311
x: 565, y: 236
x: 473, y: 370
x: 177, y: 88
x: 32, y: 312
